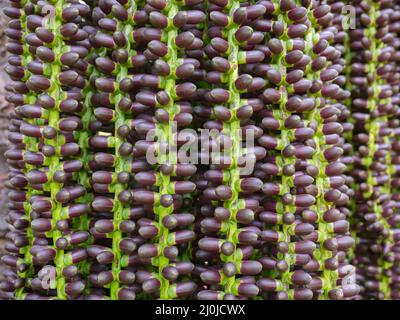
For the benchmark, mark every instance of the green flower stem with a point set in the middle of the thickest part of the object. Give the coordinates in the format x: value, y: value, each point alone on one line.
x: 348, y: 56
x: 86, y: 115
x: 122, y: 72
x: 285, y: 139
x: 329, y: 277
x: 373, y: 126
x: 54, y: 116
x: 31, y: 144
x: 232, y: 175
x: 166, y: 135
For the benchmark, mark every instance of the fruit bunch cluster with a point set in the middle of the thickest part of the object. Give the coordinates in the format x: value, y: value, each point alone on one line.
x: 375, y: 106
x: 299, y: 97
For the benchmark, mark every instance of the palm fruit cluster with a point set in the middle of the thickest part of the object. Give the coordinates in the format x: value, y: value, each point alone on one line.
x: 291, y: 195
x: 375, y: 98
x: 143, y: 84
x: 48, y: 173
x: 310, y: 186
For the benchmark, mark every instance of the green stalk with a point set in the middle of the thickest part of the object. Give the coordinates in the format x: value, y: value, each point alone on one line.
x: 373, y: 126
x: 121, y: 72
x: 285, y: 139
x: 329, y: 277
x: 54, y: 116
x: 31, y: 144
x: 232, y: 175
x: 349, y: 135
x: 86, y: 115
x: 166, y: 132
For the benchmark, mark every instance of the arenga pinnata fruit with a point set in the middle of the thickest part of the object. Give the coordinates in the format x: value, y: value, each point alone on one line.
x: 212, y: 150
x: 375, y: 108
x: 49, y: 180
